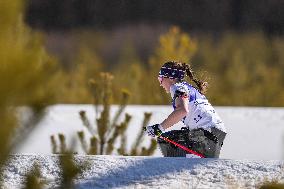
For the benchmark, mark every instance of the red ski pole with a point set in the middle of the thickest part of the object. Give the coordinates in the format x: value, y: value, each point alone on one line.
x: 182, y: 147
x: 179, y: 145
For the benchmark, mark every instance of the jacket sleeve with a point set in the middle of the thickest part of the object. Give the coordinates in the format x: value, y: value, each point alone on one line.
x: 179, y: 90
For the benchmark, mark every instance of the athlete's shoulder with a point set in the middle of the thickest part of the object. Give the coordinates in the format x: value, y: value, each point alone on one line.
x: 179, y: 89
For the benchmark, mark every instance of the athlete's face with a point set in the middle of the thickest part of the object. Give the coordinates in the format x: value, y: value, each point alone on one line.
x: 166, y: 83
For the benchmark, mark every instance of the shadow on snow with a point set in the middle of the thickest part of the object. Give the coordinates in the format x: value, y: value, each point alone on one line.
x: 142, y: 171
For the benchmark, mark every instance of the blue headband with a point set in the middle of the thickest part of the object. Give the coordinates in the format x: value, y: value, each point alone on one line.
x: 171, y: 73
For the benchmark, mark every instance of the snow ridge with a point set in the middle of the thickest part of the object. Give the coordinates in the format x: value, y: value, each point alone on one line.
x: 149, y: 172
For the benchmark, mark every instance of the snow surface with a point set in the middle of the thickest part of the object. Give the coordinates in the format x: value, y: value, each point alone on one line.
x: 149, y: 172
x: 251, y: 154
x: 253, y: 132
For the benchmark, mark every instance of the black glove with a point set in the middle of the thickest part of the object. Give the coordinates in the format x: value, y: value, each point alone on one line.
x: 154, y: 130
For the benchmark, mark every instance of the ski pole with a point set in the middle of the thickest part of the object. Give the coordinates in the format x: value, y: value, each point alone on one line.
x: 179, y: 145
x: 182, y: 147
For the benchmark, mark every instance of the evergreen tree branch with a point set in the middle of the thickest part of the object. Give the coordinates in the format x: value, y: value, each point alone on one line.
x: 87, y: 123
x: 62, y: 142
x: 53, y: 144
x: 119, y: 130
x: 123, y: 144
x: 122, y: 106
x: 150, y: 150
x: 82, y: 140
x: 93, y: 146
x: 33, y: 178
x: 147, y: 117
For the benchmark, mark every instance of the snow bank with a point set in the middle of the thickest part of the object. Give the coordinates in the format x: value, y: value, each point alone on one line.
x: 253, y: 132
x: 149, y: 172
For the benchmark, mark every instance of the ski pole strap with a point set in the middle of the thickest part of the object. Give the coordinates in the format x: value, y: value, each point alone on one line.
x: 182, y: 147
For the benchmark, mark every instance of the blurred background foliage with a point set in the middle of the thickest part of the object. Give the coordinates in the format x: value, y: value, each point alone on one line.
x: 236, y: 45
x: 27, y: 77
x: 212, y: 16
x: 243, y: 59
x: 243, y: 69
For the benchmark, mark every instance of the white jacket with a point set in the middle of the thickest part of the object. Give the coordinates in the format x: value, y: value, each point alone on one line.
x: 201, y: 112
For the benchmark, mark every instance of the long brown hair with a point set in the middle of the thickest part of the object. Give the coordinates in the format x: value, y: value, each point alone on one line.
x: 201, y: 85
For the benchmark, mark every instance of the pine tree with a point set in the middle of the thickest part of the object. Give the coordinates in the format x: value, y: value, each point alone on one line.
x: 27, y: 82
x: 26, y: 72
x: 34, y: 179
x: 69, y: 168
x: 106, y: 132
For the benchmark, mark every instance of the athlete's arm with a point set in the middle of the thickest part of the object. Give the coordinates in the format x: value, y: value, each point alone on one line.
x: 180, y: 112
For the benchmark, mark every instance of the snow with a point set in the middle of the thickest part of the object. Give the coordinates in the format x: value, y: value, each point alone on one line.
x: 252, y: 153
x: 149, y: 172
x: 253, y: 132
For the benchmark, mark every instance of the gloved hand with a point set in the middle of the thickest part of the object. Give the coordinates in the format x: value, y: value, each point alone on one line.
x: 154, y: 130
